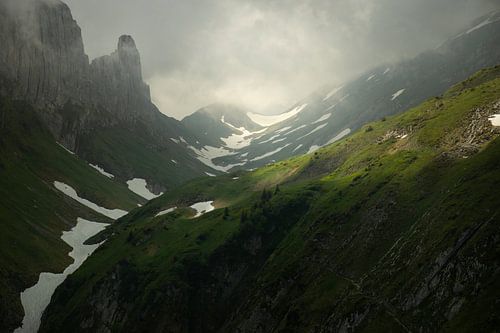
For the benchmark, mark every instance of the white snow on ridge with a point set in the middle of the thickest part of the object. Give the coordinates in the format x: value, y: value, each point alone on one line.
x: 238, y: 141
x: 101, y: 170
x: 69, y: 151
x: 323, y: 118
x: 264, y: 120
x: 371, y: 77
x: 339, y: 136
x: 175, y: 140
x: 36, y: 298
x: 283, y: 129
x: 397, y: 94
x: 271, y: 138
x: 313, y: 131
x: 313, y: 148
x: 139, y: 187
x: 207, y: 153
x: 331, y: 107
x: 70, y: 192
x: 333, y: 92
x: 298, y: 147
x: 166, y: 211
x: 495, y: 120
x: 387, y: 70
x: 203, y: 207
x: 343, y: 98
x: 269, y: 153
x: 295, y: 129
x: 480, y: 25
x: 279, y: 140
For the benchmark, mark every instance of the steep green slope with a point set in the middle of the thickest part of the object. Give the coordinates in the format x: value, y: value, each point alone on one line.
x: 392, y: 229
x: 32, y: 212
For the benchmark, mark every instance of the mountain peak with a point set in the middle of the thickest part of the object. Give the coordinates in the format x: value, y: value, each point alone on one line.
x: 126, y: 42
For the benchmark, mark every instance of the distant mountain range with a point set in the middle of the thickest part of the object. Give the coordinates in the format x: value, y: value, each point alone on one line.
x: 331, y: 113
x: 68, y: 125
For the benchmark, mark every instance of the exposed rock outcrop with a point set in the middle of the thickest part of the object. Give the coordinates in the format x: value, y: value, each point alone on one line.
x: 43, y: 53
x: 118, y: 83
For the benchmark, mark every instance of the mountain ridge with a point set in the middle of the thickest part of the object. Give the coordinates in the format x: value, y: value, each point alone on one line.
x: 376, y: 232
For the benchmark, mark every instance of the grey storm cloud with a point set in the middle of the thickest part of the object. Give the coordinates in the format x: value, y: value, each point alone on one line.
x: 265, y: 54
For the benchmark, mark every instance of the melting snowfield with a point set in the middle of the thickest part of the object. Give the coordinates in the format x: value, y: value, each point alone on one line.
x: 397, y: 94
x: 339, y: 136
x: 166, y: 211
x: 202, y: 207
x: 37, y: 298
x: 264, y: 120
x: 495, y: 120
x: 101, y: 171
x: 138, y: 186
x: 70, y: 192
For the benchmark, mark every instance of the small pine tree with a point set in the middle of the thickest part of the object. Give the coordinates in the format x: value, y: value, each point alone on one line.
x: 226, y: 213
x: 277, y: 189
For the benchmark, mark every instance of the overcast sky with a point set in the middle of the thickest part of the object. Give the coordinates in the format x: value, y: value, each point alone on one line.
x: 264, y: 54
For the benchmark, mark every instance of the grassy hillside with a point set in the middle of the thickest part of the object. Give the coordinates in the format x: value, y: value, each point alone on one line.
x: 137, y: 152
x: 392, y: 229
x: 33, y: 213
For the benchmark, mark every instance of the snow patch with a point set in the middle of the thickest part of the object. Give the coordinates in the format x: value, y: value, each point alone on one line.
x: 175, y: 140
x: 210, y: 174
x: 174, y: 161
x: 298, y: 147
x: 313, y: 148
x: 166, y: 211
x: 371, y: 77
x: 264, y: 120
x: 339, y: 136
x: 343, y: 98
x: 397, y: 94
x: 207, y: 153
x: 480, y: 25
x: 269, y: 153
x: 238, y: 141
x: 331, y: 107
x: 139, y: 187
x: 279, y: 140
x: 387, y: 70
x: 36, y: 298
x: 101, y: 171
x: 495, y: 120
x: 296, y: 129
x: 203, y: 207
x: 70, y: 192
x: 271, y: 138
x: 69, y: 151
x: 323, y: 118
x: 313, y: 131
x: 331, y: 93
x: 283, y: 129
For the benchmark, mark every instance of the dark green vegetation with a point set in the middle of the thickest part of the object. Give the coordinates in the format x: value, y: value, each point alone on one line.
x: 137, y: 152
x: 32, y: 212
x: 395, y: 228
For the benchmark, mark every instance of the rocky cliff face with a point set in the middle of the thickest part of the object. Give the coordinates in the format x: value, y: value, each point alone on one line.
x: 42, y: 52
x: 117, y: 79
x: 100, y: 110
